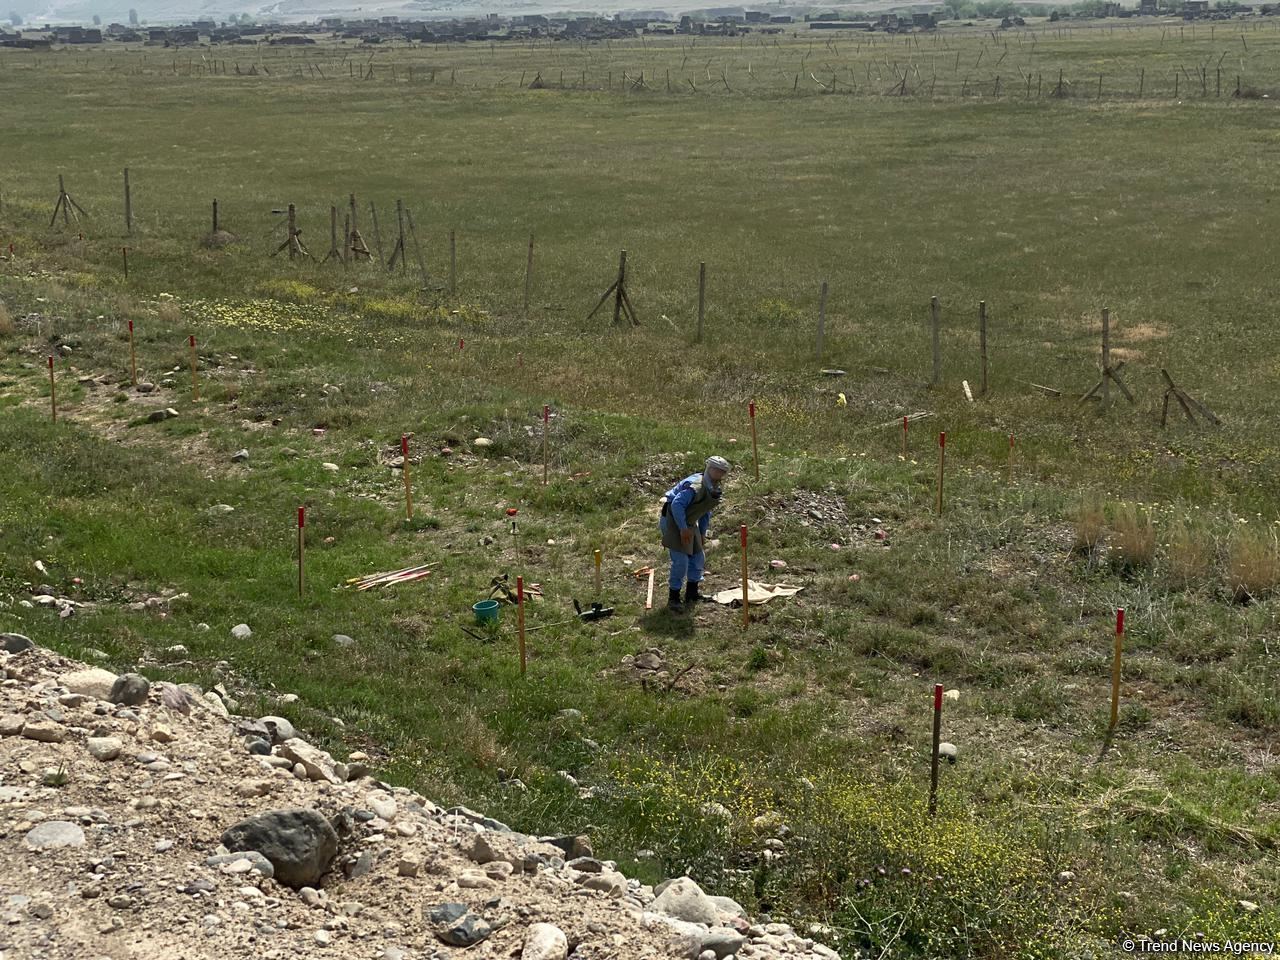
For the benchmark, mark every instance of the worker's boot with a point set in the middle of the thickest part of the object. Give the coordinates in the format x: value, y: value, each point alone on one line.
x: 673, y: 601
x: 691, y: 595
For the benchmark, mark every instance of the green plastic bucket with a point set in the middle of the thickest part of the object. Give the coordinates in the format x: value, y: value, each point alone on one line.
x: 486, y: 611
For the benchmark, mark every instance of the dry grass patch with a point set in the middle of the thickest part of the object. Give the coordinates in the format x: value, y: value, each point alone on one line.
x: 1134, y: 540
x: 6, y: 321
x: 1090, y: 526
x: 1191, y: 555
x: 1253, y: 564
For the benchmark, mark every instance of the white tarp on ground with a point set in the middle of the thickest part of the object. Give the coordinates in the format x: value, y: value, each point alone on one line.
x: 757, y: 593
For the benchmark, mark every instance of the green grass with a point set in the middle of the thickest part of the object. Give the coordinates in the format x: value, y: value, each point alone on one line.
x: 819, y: 714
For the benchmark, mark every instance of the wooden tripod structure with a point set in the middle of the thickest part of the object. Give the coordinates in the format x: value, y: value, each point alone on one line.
x: 293, y: 242
x: 355, y: 242
x: 68, y: 207
x: 1186, y: 401
x: 621, y: 302
x: 1110, y: 374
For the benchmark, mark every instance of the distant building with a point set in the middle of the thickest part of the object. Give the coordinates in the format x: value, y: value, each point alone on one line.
x: 1194, y: 9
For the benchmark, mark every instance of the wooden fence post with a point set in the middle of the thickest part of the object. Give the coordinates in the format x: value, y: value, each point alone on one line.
x: 982, y: 341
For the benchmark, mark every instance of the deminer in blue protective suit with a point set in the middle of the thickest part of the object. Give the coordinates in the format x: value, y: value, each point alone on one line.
x: 686, y: 514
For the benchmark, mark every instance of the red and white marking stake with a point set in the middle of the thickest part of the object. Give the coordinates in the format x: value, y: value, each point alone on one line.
x: 53, y: 393
x: 598, y: 559
x: 408, y: 489
x: 755, y: 447
x: 1115, y: 670
x: 937, y: 738
x: 524, y: 660
x: 302, y: 522
x: 942, y: 462
x: 746, y: 596
x: 546, y: 422
x: 133, y: 356
x: 195, y: 383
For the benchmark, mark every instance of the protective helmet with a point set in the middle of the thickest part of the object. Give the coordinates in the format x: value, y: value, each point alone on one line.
x: 718, y: 463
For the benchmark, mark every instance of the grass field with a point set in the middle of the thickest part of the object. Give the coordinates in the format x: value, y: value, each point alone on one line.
x: 818, y: 715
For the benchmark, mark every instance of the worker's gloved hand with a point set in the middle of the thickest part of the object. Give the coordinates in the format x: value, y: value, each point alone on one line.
x: 686, y: 536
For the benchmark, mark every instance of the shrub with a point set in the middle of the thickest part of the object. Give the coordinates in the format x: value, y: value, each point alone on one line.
x: 1253, y: 564
x: 1135, y: 538
x: 1091, y: 525
x: 6, y: 321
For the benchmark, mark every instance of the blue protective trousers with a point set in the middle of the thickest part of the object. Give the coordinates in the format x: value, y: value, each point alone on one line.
x: 683, y: 566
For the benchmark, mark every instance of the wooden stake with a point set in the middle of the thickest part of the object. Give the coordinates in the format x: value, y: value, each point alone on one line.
x: 648, y: 603
x: 746, y: 595
x: 937, y: 737
x: 598, y: 559
x: 215, y: 214
x: 302, y: 546
x: 905, y: 421
x: 937, y: 348
x: 546, y: 422
x: 942, y: 460
x: 620, y: 293
x: 195, y: 383
x: 408, y: 488
x: 1106, y: 357
x: 453, y: 262
x: 755, y: 447
x: 293, y: 231
x: 982, y: 343
x: 128, y: 205
x: 124, y: 259
x: 53, y: 393
x: 377, y: 234
x: 822, y: 318
x: 133, y: 357
x: 1011, y: 458
x: 1115, y: 671
x: 528, y: 277
x: 524, y: 659
x: 702, y: 297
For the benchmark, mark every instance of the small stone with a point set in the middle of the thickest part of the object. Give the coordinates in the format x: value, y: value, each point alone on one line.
x: 45, y: 731
x: 409, y: 866
x: 1248, y: 906
x: 53, y: 834
x: 240, y: 456
x: 163, y: 846
x: 322, y: 937
x: 159, y: 416
x: 482, y: 442
x: 474, y: 881
x: 342, y: 640
x: 382, y: 804
x: 279, y: 728
x: 545, y: 941
x: 104, y: 748
x: 162, y: 733
x: 92, y: 682
x: 257, y: 746
x: 11, y: 725
x: 15, y: 643
x: 146, y: 387
x: 241, y: 631
x: 120, y: 902
x: 130, y: 690
x: 329, y: 467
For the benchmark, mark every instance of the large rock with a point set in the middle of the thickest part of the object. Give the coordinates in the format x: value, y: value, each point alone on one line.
x: 544, y: 941
x: 723, y: 942
x: 278, y: 728
x: 53, y: 834
x: 104, y: 748
x: 300, y: 843
x: 15, y: 642
x: 452, y: 924
x: 318, y: 764
x: 92, y: 682
x: 684, y: 900
x: 130, y: 689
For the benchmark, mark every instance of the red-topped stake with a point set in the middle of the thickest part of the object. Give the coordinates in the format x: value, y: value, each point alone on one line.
x: 755, y: 447
x: 133, y: 357
x: 408, y: 489
x: 302, y: 522
x: 1115, y: 670
x: 546, y: 422
x: 746, y: 596
x: 942, y: 461
x: 195, y: 383
x: 937, y: 738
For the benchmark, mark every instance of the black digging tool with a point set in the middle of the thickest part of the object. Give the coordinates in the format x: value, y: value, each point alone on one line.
x: 597, y: 612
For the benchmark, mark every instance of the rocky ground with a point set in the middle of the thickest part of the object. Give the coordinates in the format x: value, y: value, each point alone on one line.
x: 144, y: 820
